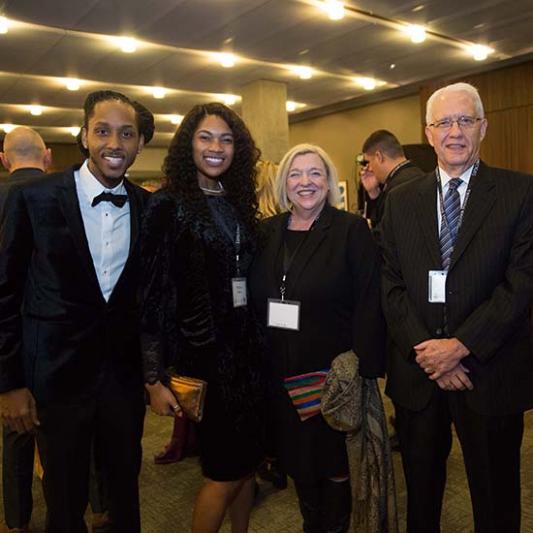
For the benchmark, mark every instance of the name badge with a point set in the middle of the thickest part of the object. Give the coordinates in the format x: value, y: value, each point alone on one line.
x: 437, y: 286
x: 238, y: 290
x: 284, y: 314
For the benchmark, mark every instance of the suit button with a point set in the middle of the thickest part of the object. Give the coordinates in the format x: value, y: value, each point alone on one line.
x: 438, y: 331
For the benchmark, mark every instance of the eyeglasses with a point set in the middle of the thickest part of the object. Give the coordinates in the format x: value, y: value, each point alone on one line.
x: 447, y: 123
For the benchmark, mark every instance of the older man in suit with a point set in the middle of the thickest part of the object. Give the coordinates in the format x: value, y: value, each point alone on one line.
x: 26, y: 157
x: 70, y: 366
x: 458, y: 284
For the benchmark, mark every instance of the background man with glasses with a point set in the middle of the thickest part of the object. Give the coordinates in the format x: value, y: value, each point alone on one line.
x: 458, y: 285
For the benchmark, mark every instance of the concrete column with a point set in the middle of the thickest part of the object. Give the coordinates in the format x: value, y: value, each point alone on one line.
x: 263, y: 110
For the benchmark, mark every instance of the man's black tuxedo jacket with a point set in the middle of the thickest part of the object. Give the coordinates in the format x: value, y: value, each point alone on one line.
x: 57, y: 332
x: 489, y: 289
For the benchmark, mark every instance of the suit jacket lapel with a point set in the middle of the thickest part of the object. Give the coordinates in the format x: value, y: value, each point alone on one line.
x: 480, y: 202
x: 134, y: 214
x: 426, y: 207
x: 68, y: 201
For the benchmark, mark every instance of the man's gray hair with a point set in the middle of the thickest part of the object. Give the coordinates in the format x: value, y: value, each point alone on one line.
x: 455, y: 88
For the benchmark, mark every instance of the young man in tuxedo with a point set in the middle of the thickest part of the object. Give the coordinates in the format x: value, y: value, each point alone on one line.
x: 26, y: 157
x: 70, y: 366
x: 458, y: 285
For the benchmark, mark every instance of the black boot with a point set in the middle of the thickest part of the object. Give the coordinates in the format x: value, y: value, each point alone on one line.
x: 309, y: 501
x: 335, y: 506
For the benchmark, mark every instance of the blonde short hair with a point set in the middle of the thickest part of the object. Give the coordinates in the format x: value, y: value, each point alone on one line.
x: 333, y: 197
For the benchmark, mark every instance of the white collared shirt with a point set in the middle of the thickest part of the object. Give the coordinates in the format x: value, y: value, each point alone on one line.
x: 445, y: 180
x: 107, y: 228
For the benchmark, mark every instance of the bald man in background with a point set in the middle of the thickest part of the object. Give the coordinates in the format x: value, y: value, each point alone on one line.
x: 26, y: 158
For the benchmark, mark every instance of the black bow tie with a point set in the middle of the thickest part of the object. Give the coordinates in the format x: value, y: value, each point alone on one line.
x: 116, y: 199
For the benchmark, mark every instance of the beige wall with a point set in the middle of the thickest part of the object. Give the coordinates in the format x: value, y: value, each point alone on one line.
x: 342, y: 134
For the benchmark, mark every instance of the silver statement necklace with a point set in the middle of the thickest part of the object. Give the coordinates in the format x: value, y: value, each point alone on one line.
x: 220, y: 189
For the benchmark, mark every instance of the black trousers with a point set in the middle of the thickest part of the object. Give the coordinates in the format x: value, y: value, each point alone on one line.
x: 111, y: 422
x: 491, y: 451
x: 17, y: 476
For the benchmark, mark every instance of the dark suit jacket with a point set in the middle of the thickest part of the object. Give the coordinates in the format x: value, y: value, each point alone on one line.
x: 335, y: 276
x: 375, y: 208
x: 489, y: 289
x: 57, y: 332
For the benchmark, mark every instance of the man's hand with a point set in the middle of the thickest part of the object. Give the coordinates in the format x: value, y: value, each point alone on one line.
x: 370, y: 183
x: 18, y: 410
x: 438, y: 356
x: 162, y: 400
x: 455, y: 379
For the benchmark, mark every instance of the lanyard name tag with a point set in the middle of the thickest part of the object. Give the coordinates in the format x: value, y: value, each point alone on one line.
x: 284, y: 314
x: 437, y: 286
x: 238, y: 290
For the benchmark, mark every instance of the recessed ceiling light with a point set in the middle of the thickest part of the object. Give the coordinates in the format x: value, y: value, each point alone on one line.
x: 392, y: 66
x: 293, y: 106
x: 416, y: 33
x: 225, y: 59
x: 480, y: 52
x: 417, y: 8
x: 368, y: 84
x: 304, y: 73
x: 74, y: 130
x: 334, y: 9
x: 127, y: 44
x: 175, y: 119
x: 4, y: 25
x: 7, y: 127
x: 159, y: 92
x: 72, y: 84
x: 35, y: 110
x: 229, y: 99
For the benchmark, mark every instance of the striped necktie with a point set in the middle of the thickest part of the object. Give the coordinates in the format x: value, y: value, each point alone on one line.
x: 449, y: 222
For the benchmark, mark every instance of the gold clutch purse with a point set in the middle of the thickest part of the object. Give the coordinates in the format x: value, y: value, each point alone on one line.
x: 190, y: 393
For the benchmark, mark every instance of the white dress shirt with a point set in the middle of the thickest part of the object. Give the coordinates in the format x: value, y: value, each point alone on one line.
x: 445, y: 180
x: 107, y: 228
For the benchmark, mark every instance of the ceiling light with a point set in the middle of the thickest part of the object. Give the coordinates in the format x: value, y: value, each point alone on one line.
x: 392, y: 66
x: 229, y: 99
x: 4, y: 25
x: 480, y: 52
x: 334, y: 9
x: 159, y: 92
x: 416, y: 33
x: 304, y: 73
x: 74, y: 130
x: 417, y: 8
x: 368, y: 84
x: 127, y: 44
x: 35, y: 110
x: 226, y: 59
x: 175, y: 119
x: 7, y: 127
x: 290, y: 106
x: 72, y: 84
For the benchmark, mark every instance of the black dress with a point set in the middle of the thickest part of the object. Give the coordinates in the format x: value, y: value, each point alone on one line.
x: 189, y: 323
x: 335, y: 277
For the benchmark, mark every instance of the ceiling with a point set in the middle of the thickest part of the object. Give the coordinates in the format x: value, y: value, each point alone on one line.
x: 50, y: 40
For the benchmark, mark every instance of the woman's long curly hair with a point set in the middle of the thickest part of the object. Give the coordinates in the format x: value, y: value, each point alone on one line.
x: 239, y: 180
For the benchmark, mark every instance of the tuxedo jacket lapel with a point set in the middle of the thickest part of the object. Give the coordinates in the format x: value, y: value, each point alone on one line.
x: 426, y: 207
x: 135, y: 210
x: 480, y: 202
x: 70, y: 206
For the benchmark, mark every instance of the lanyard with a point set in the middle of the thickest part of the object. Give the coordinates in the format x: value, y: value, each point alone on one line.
x: 444, y: 218
x: 288, y: 258
x: 236, y: 241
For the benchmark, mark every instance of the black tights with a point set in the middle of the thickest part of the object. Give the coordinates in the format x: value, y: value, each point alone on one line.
x: 325, y: 505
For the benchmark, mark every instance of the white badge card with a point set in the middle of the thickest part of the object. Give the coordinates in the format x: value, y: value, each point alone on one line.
x: 238, y: 290
x: 283, y: 314
x: 437, y: 286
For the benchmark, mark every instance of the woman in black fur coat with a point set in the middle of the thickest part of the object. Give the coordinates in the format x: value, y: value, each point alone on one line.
x: 198, y: 238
